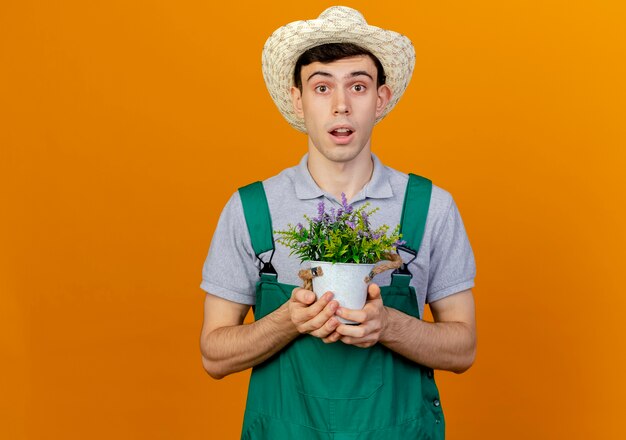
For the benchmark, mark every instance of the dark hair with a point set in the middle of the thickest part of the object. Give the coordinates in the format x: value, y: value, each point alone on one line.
x: 327, y: 53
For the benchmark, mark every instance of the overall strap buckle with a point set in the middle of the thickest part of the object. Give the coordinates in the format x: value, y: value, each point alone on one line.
x: 267, y: 268
x: 404, y: 270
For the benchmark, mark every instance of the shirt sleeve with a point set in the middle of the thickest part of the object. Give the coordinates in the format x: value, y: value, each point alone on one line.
x: 452, y: 265
x: 231, y: 270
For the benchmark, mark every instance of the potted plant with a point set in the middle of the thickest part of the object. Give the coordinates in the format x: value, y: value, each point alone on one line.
x: 343, y: 250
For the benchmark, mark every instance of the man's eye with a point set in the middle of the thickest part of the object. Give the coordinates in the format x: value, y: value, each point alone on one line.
x: 359, y: 88
x: 321, y: 88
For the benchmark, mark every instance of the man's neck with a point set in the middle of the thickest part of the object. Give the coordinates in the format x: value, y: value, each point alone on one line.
x: 341, y: 177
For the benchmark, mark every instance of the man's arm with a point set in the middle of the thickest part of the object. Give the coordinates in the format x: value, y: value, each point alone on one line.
x: 227, y: 345
x: 447, y: 344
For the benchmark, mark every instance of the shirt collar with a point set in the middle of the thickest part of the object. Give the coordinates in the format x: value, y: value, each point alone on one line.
x: 378, y: 187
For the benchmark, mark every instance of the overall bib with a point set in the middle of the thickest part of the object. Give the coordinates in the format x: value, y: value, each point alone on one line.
x: 312, y: 390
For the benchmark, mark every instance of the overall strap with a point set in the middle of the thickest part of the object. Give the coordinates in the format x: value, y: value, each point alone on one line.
x: 415, y: 210
x: 257, y: 214
x: 413, y: 222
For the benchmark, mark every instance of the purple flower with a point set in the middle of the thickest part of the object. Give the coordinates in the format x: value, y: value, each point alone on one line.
x: 299, y: 227
x: 344, y: 201
x: 364, y: 216
x: 350, y: 224
x: 320, y: 209
x: 320, y: 212
x: 399, y: 243
x: 376, y: 236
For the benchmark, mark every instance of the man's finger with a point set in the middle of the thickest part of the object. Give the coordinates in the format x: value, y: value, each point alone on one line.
x: 356, y: 331
x: 315, y: 317
x: 352, y: 315
x: 311, y: 318
x: 303, y: 296
x: 333, y: 337
x: 373, y: 291
x: 357, y: 342
x: 327, y: 329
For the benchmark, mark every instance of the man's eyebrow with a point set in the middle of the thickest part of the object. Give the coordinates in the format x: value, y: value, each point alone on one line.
x: 359, y: 73
x: 318, y: 72
x: 350, y: 75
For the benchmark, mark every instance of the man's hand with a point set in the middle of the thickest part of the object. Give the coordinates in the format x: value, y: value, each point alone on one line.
x: 313, y: 317
x: 372, y: 319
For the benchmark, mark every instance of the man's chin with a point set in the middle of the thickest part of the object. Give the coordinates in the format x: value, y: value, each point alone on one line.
x: 340, y: 153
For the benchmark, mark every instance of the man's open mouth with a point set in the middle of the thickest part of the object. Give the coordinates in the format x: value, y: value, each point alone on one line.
x: 341, y: 132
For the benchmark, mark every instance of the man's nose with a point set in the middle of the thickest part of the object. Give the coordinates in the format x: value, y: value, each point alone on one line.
x: 341, y: 104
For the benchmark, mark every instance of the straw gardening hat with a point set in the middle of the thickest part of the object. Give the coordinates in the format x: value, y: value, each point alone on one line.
x: 337, y: 24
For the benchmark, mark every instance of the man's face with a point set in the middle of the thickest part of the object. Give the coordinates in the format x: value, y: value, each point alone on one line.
x: 340, y: 103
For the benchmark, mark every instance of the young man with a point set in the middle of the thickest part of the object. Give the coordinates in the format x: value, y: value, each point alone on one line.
x: 335, y: 78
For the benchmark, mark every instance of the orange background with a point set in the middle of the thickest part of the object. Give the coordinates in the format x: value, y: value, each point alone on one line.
x: 125, y: 127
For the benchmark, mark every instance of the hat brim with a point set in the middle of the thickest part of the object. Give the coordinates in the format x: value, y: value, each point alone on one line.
x: 283, y: 48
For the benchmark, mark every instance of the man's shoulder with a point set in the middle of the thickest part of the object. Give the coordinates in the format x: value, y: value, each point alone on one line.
x: 440, y: 199
x: 283, y: 180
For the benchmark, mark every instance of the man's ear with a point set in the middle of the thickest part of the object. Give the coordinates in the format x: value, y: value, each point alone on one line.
x: 384, y: 95
x: 296, y: 101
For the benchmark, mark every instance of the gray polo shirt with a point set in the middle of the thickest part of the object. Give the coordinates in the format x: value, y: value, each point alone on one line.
x: 444, y: 265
